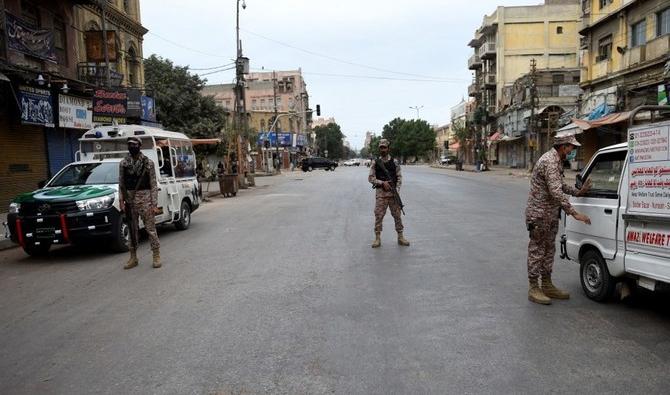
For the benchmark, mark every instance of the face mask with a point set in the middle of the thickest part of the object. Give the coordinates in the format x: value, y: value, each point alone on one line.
x: 134, y: 150
x: 572, y: 155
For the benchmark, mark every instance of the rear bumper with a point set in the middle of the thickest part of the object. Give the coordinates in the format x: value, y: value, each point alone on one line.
x: 62, y: 228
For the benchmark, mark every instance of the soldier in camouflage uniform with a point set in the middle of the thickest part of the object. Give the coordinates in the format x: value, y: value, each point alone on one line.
x: 384, y: 197
x: 547, y: 196
x: 138, y: 193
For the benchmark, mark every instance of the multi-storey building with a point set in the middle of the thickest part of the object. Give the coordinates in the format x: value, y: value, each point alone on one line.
x: 268, y: 94
x: 506, y: 43
x: 625, y: 60
x: 443, y: 137
x: 46, y: 100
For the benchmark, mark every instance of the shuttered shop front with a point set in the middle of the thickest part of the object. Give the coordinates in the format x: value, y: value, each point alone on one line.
x: 62, y: 145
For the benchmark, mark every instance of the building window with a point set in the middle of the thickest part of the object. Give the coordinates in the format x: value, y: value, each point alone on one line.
x: 604, y: 48
x: 558, y: 78
x: 126, y: 6
x: 604, y: 3
x: 29, y: 13
x: 263, y: 104
x: 575, y: 79
x: 262, y: 125
x: 279, y: 103
x: 60, y: 42
x: 253, y: 104
x: 132, y: 66
x: 639, y: 33
x: 663, y: 22
x: 559, y: 30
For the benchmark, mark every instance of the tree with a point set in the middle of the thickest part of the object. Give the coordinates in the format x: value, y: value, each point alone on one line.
x: 409, y: 139
x: 329, y: 137
x: 180, y: 105
x: 462, y: 133
x: 373, y: 148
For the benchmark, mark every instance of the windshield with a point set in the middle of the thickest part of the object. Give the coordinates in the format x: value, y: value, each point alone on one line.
x: 87, y: 174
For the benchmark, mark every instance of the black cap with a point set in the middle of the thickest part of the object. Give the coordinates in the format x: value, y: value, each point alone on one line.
x: 134, y: 140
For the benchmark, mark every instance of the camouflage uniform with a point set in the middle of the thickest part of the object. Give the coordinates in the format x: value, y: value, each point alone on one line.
x: 144, y: 199
x: 384, y: 199
x: 548, y: 194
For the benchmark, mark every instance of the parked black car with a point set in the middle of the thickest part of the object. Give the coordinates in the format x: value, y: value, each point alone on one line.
x: 309, y: 164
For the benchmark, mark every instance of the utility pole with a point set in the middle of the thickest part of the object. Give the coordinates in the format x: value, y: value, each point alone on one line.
x: 241, y: 66
x: 417, y: 108
x: 533, y: 103
x: 274, y: 92
x: 103, y: 13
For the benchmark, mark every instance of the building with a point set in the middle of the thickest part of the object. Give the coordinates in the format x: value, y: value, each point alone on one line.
x: 46, y: 101
x: 506, y: 43
x: 269, y: 94
x: 368, y: 139
x: 556, y: 93
x: 462, y: 117
x: 443, y: 137
x: 323, y: 121
x: 625, y: 61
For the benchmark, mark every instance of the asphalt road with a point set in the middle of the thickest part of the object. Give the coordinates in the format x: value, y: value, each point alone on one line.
x: 278, y: 291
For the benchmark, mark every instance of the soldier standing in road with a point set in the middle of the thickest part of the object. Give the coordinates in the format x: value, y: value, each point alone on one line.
x: 385, y: 175
x: 547, y: 196
x: 138, y: 196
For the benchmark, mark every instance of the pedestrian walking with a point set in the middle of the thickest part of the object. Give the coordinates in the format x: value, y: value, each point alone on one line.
x: 138, y: 195
x: 386, y: 178
x: 547, y: 196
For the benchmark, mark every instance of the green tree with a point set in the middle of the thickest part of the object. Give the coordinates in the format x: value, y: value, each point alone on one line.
x: 180, y: 105
x: 409, y: 138
x: 462, y: 133
x: 329, y: 137
x: 373, y: 148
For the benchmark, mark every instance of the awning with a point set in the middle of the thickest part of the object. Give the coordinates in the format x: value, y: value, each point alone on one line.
x: 616, y: 117
x: 205, y: 141
x: 495, y: 136
x: 509, y: 138
x: 571, y: 128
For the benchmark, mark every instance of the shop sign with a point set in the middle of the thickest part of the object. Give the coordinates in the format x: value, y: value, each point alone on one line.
x: 74, y: 112
x: 105, y: 119
x: 148, y: 108
x: 28, y: 39
x: 649, y: 169
x: 134, y: 109
x: 110, y: 102
x: 36, y: 106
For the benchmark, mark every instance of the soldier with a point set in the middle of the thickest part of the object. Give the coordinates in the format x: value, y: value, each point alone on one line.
x: 547, y: 196
x: 385, y: 175
x: 138, y: 195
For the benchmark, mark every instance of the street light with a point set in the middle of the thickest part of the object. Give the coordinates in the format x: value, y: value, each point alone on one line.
x: 417, y: 108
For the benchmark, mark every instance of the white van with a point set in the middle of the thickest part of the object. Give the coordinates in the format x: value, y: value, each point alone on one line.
x: 81, y: 201
x: 629, y: 207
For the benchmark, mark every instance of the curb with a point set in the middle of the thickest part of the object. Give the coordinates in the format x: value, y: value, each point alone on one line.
x: 6, y: 244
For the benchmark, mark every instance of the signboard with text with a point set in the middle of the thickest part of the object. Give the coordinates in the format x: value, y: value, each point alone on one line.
x: 36, y: 106
x: 28, y: 39
x: 109, y: 102
x: 649, y: 169
x: 74, y: 112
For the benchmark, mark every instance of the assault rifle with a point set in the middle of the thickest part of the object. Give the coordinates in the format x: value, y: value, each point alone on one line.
x: 396, y: 195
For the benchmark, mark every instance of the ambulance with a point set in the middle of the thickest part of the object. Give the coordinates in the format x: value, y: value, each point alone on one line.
x: 81, y: 202
x: 629, y: 206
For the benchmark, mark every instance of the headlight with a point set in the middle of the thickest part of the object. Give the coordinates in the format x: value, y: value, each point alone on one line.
x: 95, y: 204
x: 14, y: 208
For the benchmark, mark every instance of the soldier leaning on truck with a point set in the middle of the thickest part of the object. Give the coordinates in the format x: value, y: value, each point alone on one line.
x: 547, y: 196
x: 138, y: 193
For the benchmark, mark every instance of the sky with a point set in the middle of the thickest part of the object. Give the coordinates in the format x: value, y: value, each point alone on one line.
x: 365, y: 62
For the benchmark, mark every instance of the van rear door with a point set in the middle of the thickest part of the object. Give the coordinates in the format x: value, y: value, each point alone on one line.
x: 648, y: 212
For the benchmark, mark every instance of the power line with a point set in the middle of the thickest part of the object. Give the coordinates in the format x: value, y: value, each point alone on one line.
x: 185, y: 47
x: 451, y: 81
x: 210, y: 68
x: 216, y: 71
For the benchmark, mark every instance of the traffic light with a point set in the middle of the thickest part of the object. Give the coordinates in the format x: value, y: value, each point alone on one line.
x: 318, y: 110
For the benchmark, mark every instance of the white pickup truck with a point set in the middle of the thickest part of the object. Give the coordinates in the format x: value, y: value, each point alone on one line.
x: 629, y: 207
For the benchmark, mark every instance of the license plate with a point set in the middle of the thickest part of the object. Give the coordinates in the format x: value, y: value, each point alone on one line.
x: 45, y: 233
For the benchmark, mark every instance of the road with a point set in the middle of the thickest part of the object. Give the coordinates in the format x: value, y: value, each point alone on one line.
x: 278, y: 291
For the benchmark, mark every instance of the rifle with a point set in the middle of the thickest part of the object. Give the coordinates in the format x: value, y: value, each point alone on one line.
x: 396, y: 195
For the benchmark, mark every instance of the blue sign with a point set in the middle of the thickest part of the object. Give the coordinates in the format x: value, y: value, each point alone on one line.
x: 285, y: 139
x: 148, y: 108
x: 36, y: 106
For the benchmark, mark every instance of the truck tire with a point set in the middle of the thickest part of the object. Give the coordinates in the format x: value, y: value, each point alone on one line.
x: 37, y: 250
x: 310, y: 168
x: 596, y: 280
x: 184, y: 216
x: 121, y: 238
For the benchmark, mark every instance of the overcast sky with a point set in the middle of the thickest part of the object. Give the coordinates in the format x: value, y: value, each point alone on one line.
x: 365, y: 62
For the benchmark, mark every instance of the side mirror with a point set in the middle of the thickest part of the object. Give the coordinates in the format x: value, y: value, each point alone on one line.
x: 579, y: 182
x: 41, y: 184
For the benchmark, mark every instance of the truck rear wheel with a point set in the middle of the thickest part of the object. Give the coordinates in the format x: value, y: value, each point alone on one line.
x: 185, y: 216
x: 121, y: 236
x: 596, y: 280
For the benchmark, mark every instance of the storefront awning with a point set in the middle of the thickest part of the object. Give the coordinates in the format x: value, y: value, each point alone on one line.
x: 610, y: 119
x: 571, y: 128
x: 205, y: 141
x: 506, y: 139
x: 495, y: 136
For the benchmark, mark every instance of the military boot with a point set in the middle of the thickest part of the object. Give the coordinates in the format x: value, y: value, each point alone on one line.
x: 157, y: 259
x: 550, y: 290
x: 378, y: 240
x: 132, y: 262
x: 536, y: 295
x: 402, y: 241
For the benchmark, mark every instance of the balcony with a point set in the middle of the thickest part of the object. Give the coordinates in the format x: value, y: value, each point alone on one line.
x: 491, y: 110
x: 474, y: 62
x: 473, y: 89
x: 97, y: 75
x: 601, y: 68
x: 489, y: 81
x: 487, y: 50
x: 658, y: 47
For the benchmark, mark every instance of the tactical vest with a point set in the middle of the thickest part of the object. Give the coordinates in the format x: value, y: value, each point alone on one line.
x: 390, y: 168
x: 131, y: 180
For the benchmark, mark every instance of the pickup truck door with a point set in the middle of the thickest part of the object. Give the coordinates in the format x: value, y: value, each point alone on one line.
x: 601, y: 204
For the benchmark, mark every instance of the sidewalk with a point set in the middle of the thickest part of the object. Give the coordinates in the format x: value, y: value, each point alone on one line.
x: 570, y: 175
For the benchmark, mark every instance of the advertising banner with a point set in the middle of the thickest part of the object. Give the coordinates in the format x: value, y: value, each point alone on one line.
x: 109, y: 102
x: 148, y: 108
x: 649, y: 169
x: 36, y: 106
x: 74, y: 112
x: 28, y: 39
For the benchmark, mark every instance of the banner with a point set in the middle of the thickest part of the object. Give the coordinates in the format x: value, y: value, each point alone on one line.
x: 285, y: 139
x: 134, y: 108
x: 28, y: 39
x: 649, y: 169
x: 110, y: 103
x: 36, y: 106
x: 148, y: 108
x: 74, y: 112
